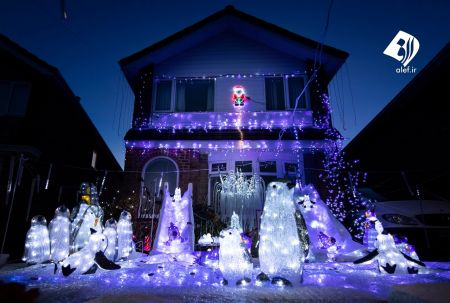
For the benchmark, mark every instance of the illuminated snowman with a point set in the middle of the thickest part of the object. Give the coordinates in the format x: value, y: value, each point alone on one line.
x: 37, y: 242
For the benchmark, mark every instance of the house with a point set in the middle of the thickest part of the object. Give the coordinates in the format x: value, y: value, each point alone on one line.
x: 405, y: 151
x: 48, y: 144
x: 219, y: 96
x: 405, y: 147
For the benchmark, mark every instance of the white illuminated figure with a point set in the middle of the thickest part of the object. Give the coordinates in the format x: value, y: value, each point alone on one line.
x: 175, y: 233
x: 59, y: 229
x: 124, y: 236
x: 37, y: 242
x: 87, y: 215
x: 319, y: 219
x: 280, y: 251
x: 234, y: 259
x: 390, y: 259
x: 110, y: 233
x: 87, y: 260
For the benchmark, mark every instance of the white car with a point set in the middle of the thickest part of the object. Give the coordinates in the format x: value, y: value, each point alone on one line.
x: 426, y: 223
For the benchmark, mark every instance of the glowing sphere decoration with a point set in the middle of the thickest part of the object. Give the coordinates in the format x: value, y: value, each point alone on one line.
x: 37, y: 243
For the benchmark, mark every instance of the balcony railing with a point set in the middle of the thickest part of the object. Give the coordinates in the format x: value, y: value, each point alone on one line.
x: 224, y: 120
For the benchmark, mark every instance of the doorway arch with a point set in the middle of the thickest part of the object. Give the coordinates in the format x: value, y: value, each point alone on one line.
x: 159, y: 170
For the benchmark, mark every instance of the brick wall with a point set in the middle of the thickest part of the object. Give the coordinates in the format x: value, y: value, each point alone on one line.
x: 193, y: 166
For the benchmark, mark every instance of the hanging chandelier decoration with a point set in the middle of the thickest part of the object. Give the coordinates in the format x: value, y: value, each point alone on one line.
x: 237, y: 184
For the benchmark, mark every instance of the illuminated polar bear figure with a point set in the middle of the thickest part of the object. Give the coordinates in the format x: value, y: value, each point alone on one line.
x: 37, y: 242
x: 280, y: 252
x: 234, y: 259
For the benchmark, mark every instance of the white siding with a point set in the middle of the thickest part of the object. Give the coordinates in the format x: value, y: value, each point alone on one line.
x: 230, y: 53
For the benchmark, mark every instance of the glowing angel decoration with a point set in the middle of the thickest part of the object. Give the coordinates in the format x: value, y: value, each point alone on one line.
x: 37, y: 243
x: 59, y: 229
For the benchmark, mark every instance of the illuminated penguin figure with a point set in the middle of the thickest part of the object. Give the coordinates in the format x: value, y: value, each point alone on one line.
x: 88, y: 259
x: 87, y: 215
x: 37, y: 242
x: 234, y: 259
x: 281, y: 254
x: 390, y: 259
x: 59, y: 229
x: 124, y: 236
x: 110, y: 233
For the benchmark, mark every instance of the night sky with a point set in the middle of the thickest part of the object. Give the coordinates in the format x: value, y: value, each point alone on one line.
x: 87, y: 46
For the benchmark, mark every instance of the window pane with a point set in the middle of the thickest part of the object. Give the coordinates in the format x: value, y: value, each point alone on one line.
x: 244, y: 166
x: 274, y: 93
x: 296, y: 85
x: 195, y: 95
x: 216, y: 167
x: 19, y: 99
x: 290, y: 168
x: 163, y: 95
x: 5, y: 91
x: 268, y: 167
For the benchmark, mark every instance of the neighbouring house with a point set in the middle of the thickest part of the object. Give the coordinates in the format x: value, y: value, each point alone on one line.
x: 405, y: 151
x: 220, y: 96
x: 48, y: 144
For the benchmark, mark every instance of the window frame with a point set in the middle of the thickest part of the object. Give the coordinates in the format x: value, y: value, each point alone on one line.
x: 287, y: 105
x: 12, y: 85
x: 172, y: 96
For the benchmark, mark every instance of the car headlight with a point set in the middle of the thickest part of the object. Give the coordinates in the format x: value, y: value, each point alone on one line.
x: 399, y: 219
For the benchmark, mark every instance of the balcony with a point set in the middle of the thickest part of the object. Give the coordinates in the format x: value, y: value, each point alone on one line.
x: 230, y: 120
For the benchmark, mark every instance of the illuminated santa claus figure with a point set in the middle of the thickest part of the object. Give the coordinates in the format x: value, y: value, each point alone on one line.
x: 238, y: 95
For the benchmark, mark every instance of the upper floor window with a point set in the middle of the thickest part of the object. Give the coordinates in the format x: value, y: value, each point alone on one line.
x: 14, y: 98
x: 184, y: 95
x: 163, y: 98
x: 195, y: 96
x: 282, y: 92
